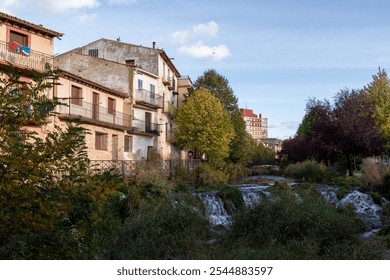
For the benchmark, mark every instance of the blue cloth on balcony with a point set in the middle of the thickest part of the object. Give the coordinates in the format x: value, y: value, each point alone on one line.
x: 26, y: 50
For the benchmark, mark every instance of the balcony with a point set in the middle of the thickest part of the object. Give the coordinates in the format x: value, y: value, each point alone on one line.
x: 142, y: 126
x: 170, y: 110
x: 94, y: 114
x: 170, y: 82
x: 167, y: 81
x: 147, y: 98
x: 24, y: 58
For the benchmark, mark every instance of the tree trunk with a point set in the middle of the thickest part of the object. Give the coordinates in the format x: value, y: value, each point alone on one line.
x: 349, y: 166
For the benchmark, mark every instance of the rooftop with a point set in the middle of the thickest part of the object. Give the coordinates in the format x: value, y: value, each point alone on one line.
x: 31, y: 27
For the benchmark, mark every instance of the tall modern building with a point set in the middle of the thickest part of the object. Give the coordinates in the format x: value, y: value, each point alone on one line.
x: 256, y: 125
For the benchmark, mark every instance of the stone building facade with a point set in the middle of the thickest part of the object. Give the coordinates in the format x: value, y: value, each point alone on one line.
x: 126, y: 95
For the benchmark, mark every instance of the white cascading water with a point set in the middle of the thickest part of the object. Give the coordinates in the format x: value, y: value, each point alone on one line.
x: 365, y: 208
x: 215, y: 210
x: 253, y: 194
x: 214, y: 207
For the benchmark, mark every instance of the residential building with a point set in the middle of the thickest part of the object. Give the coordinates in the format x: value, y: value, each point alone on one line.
x: 101, y: 110
x: 256, y: 126
x: 274, y: 144
x: 151, y: 92
x: 28, y: 47
x: 24, y: 44
x: 125, y: 95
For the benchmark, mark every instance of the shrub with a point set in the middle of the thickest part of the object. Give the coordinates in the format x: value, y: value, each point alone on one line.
x: 236, y: 172
x: 208, y: 174
x: 342, y: 192
x: 162, y: 231
x: 309, y: 170
x: 147, y: 191
x: 344, y: 181
x: 373, y: 172
x: 232, y: 199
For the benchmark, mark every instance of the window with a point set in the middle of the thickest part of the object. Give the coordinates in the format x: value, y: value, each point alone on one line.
x: 101, y: 141
x: 140, y: 84
x: 93, y: 52
x: 148, y: 122
x: 19, y: 38
x: 19, y: 43
x: 111, y: 106
x: 128, y: 145
x: 152, y: 91
x: 76, y: 96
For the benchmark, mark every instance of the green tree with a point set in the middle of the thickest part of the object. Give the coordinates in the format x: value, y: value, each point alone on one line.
x: 204, y: 124
x: 50, y: 206
x: 379, y: 92
x: 219, y: 86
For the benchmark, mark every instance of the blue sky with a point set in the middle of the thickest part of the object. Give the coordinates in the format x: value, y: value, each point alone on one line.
x: 276, y: 54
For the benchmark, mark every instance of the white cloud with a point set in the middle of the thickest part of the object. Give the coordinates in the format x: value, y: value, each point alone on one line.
x: 191, y: 42
x: 60, y: 6
x: 200, y: 50
x: 119, y: 2
x: 6, y: 5
x: 209, y: 30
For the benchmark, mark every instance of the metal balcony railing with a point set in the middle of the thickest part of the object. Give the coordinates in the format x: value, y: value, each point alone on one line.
x: 148, y: 98
x: 145, y: 127
x: 94, y: 113
x: 27, y: 59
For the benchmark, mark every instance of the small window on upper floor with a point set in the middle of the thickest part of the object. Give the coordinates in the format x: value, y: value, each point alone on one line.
x: 19, y: 38
x: 76, y: 96
x: 152, y: 91
x: 111, y: 106
x: 93, y: 52
x: 18, y: 42
x: 140, y: 84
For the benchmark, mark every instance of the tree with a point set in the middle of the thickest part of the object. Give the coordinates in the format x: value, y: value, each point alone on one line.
x: 379, y: 93
x: 318, y: 128
x: 356, y: 134
x: 219, y: 86
x: 204, y: 124
x: 337, y: 132
x: 51, y: 207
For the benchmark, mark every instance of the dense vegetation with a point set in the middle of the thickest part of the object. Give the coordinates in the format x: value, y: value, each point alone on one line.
x: 50, y: 206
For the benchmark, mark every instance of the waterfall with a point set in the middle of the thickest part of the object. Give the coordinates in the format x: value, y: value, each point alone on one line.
x: 215, y: 210
x: 365, y: 208
x: 214, y: 207
x: 253, y: 194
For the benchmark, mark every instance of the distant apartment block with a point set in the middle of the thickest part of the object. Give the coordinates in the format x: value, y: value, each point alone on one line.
x: 256, y: 125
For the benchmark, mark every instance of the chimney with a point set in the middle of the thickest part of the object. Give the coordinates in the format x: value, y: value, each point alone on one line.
x: 154, y: 45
